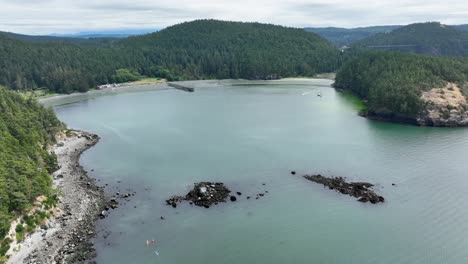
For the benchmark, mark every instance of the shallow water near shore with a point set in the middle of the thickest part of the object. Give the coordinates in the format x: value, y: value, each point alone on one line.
x: 244, y: 134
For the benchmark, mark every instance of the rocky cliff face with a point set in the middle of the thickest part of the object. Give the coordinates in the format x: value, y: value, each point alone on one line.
x: 444, y: 107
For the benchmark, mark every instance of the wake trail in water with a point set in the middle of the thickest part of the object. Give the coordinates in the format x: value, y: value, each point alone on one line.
x: 119, y: 134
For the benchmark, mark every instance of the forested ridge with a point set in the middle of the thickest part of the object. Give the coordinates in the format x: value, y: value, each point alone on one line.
x: 93, y: 41
x: 192, y: 50
x: 26, y: 128
x: 348, y: 36
x: 423, y: 38
x: 393, y: 82
x: 218, y: 49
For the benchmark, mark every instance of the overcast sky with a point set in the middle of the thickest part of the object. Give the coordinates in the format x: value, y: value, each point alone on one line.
x: 70, y: 16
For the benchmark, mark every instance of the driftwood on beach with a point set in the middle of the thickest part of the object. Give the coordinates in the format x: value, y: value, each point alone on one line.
x: 359, y: 190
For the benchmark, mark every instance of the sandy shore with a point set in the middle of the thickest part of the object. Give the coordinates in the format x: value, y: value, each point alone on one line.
x: 75, y: 97
x: 66, y: 236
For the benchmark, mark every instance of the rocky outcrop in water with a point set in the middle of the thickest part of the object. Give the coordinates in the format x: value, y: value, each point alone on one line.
x: 359, y: 190
x: 444, y: 107
x: 203, y: 194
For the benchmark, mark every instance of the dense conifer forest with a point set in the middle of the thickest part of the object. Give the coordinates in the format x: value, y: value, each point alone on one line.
x: 394, y: 81
x: 26, y: 128
x: 423, y: 38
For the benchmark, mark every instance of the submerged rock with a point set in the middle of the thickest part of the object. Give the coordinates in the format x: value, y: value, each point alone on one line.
x: 174, y: 200
x: 359, y: 190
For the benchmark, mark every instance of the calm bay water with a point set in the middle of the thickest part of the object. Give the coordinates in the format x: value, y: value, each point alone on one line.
x: 159, y: 143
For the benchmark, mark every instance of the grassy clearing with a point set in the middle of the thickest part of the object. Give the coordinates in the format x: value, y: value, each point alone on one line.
x: 37, y: 94
x: 144, y: 81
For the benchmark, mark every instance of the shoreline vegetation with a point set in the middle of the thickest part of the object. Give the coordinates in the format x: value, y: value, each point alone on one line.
x: 65, y: 234
x: 44, y: 93
x: 26, y: 131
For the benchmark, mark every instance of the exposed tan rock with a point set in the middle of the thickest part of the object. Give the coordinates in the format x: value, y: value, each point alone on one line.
x: 445, y: 106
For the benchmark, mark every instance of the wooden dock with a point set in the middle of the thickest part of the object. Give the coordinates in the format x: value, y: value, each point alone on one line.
x: 180, y: 87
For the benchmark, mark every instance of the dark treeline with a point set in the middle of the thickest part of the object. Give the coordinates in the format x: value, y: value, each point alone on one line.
x: 393, y: 82
x: 423, y: 38
x: 26, y: 128
x: 93, y: 41
x: 194, y: 50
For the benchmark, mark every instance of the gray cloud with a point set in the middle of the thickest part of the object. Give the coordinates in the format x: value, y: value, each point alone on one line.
x: 60, y: 16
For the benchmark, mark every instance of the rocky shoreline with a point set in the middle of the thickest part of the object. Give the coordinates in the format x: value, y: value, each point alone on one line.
x: 359, y: 190
x: 442, y: 107
x: 65, y: 237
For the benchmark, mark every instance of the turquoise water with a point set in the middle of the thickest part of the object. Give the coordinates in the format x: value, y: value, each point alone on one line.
x: 159, y: 143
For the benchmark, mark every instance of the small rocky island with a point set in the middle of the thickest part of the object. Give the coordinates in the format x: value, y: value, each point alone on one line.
x: 356, y: 189
x: 204, y: 194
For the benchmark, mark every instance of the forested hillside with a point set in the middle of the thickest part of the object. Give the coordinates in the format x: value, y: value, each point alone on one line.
x: 393, y: 83
x: 25, y: 130
x: 347, y: 36
x: 60, y: 67
x: 217, y: 49
x: 194, y: 50
x: 424, y: 38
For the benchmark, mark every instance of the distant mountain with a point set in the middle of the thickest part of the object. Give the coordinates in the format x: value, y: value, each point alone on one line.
x: 461, y: 27
x: 64, y: 40
x: 423, y: 38
x: 107, y: 33
x: 346, y: 37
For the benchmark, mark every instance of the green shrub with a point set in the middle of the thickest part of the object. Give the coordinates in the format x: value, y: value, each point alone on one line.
x: 5, y: 247
x: 125, y: 75
x: 42, y: 215
x: 19, y: 228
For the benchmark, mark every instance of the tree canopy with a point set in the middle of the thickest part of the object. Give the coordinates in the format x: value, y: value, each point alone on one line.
x: 26, y: 128
x: 393, y: 82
